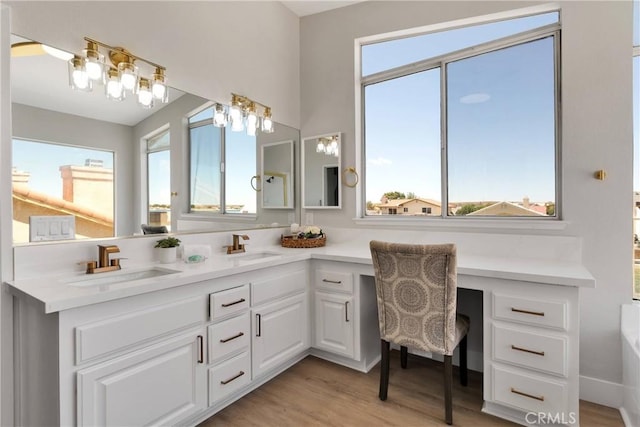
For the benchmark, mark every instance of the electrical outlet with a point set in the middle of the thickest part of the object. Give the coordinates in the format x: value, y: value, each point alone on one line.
x: 308, y: 219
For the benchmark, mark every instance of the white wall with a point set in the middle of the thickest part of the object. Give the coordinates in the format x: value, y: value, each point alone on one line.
x: 209, y: 48
x: 596, y: 134
x: 37, y: 124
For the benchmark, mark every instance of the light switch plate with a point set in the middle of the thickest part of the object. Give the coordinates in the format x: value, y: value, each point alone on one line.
x: 52, y: 227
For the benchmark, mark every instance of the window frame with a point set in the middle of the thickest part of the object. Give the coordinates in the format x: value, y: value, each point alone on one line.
x: 553, y: 30
x: 158, y: 133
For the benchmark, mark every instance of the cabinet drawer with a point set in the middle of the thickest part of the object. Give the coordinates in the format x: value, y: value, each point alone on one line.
x: 229, y: 376
x: 228, y: 302
x: 528, y: 392
x: 542, y: 352
x: 229, y: 336
x: 278, y: 286
x: 337, y: 281
x: 130, y: 330
x: 547, y: 313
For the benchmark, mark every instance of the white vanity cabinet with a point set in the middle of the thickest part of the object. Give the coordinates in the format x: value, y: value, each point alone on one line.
x: 345, y: 315
x: 280, y: 320
x: 531, y: 350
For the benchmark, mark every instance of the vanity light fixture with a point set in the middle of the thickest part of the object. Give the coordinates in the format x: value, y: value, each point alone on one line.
x: 119, y: 77
x: 244, y: 113
x: 328, y: 146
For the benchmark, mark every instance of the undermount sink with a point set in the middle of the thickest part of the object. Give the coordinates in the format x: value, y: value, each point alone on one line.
x: 250, y: 258
x: 111, y: 278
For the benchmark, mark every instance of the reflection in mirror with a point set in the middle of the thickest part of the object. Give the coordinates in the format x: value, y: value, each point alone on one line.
x: 277, y: 175
x: 46, y: 110
x: 321, y: 171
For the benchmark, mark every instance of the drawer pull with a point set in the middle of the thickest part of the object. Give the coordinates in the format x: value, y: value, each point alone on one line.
x: 346, y: 311
x: 533, y: 313
x: 235, y: 377
x: 530, y: 396
x: 336, y: 282
x: 526, y: 350
x: 259, y: 324
x: 232, y: 338
x: 200, y: 349
x: 229, y: 304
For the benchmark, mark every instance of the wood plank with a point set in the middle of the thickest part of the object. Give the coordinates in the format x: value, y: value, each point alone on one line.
x: 315, y: 392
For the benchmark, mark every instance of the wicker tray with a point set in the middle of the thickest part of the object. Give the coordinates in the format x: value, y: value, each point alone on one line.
x: 291, y: 242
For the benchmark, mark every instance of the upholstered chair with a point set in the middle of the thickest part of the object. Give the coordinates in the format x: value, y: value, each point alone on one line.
x: 416, y: 294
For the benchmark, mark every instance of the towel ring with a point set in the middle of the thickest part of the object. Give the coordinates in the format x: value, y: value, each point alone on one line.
x: 350, y: 170
x: 257, y: 178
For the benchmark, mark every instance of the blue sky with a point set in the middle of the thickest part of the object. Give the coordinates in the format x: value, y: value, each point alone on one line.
x: 500, y: 117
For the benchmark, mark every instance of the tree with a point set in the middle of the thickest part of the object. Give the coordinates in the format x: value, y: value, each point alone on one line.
x: 551, y: 208
x: 393, y: 195
x: 468, y: 208
x: 411, y: 195
x: 370, y: 205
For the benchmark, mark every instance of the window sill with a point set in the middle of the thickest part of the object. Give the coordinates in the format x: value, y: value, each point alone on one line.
x: 465, y: 224
x: 219, y: 217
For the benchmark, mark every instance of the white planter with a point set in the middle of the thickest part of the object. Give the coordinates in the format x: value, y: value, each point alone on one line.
x: 167, y: 255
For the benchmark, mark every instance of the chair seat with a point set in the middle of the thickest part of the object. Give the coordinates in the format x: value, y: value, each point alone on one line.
x: 462, y: 327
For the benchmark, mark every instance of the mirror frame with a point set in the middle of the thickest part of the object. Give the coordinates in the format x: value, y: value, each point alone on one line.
x: 313, y: 140
x: 289, y: 190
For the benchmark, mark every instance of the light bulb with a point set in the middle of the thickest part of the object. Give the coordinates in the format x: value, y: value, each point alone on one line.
x: 94, y: 61
x: 159, y: 90
x: 94, y: 70
x: 145, y: 97
x: 128, y: 74
x: 267, y: 122
x: 113, y: 87
x: 159, y: 85
x: 320, y: 148
x: 219, y: 116
x: 78, y: 78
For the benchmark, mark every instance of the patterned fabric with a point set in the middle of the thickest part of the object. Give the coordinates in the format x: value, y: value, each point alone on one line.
x: 416, y: 293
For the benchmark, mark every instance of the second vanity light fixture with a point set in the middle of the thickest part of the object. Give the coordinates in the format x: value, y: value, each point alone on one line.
x: 243, y: 113
x: 328, y: 146
x: 120, y: 78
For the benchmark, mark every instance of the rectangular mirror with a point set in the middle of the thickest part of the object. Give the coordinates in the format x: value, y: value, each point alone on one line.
x: 321, y: 178
x: 277, y: 175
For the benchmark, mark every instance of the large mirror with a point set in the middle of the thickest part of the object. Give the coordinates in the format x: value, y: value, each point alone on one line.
x: 321, y: 171
x: 138, y: 155
x: 277, y: 175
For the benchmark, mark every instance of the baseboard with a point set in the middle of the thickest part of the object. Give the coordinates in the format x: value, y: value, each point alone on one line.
x: 626, y: 419
x: 601, y: 392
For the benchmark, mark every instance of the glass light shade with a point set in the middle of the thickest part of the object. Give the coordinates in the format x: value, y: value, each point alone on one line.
x: 219, y: 116
x: 267, y: 122
x: 336, y: 152
x: 159, y: 85
x: 145, y: 96
x: 237, y: 124
x: 128, y: 74
x: 252, y: 123
x: 236, y: 116
x: 113, y: 87
x: 320, y: 148
x: 78, y: 78
x: 334, y: 144
x: 94, y: 64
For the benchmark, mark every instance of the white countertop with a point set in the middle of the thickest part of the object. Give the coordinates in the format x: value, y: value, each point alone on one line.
x: 57, y: 293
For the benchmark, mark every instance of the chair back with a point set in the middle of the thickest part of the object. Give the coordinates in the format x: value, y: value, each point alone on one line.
x: 416, y: 294
x: 154, y: 229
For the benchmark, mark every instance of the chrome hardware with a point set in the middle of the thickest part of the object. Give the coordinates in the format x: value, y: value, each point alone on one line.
x: 235, y: 377
x: 530, y: 396
x: 346, y: 311
x: 539, y: 353
x: 534, y: 313
x: 229, y: 304
x: 225, y: 340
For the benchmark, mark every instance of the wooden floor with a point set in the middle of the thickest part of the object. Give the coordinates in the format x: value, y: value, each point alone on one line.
x: 319, y: 393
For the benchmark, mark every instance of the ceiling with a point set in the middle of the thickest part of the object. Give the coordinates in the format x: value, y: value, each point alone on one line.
x: 309, y: 7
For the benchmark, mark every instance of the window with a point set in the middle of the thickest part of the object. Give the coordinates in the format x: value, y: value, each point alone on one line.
x: 222, y: 164
x: 159, y: 180
x: 426, y: 211
x: 636, y: 147
x: 393, y: 211
x: 405, y: 209
x: 55, y: 180
x: 465, y: 118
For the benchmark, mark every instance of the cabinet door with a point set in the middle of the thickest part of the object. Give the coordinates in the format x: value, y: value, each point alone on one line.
x: 280, y: 332
x: 334, y: 323
x: 158, y: 385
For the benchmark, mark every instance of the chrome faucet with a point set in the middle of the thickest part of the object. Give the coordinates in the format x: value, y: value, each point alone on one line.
x: 104, y: 264
x: 237, y: 247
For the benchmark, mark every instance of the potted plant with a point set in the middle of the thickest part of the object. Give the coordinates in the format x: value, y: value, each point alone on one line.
x: 167, y: 249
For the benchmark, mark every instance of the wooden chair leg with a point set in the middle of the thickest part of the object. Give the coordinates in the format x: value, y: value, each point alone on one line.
x: 448, y: 385
x: 384, y: 369
x: 463, y: 361
x: 403, y: 356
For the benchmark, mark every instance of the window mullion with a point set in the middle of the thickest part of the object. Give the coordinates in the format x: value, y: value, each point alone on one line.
x: 444, y: 197
x: 223, y: 172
